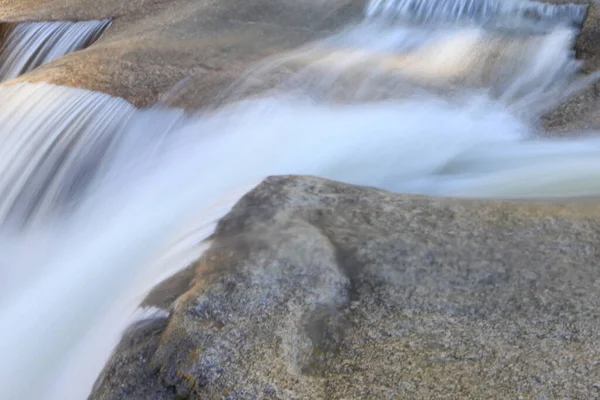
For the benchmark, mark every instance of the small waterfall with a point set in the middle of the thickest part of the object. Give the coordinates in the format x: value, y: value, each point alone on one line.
x: 507, y: 13
x: 52, y: 143
x: 113, y: 199
x: 28, y: 45
x: 531, y: 74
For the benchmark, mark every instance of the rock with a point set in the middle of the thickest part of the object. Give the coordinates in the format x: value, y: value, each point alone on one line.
x: 154, y: 45
x: 187, y: 51
x: 581, y: 111
x: 320, y: 290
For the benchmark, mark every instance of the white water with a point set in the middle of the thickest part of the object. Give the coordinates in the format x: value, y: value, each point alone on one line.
x: 492, y: 13
x: 31, y: 44
x: 443, y: 111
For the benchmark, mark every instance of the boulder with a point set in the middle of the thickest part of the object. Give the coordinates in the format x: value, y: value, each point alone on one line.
x: 314, y: 289
x: 154, y: 45
x: 185, y: 52
x: 581, y: 111
x: 319, y: 290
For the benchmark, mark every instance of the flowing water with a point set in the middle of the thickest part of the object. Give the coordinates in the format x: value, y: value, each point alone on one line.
x: 100, y: 201
x: 28, y: 45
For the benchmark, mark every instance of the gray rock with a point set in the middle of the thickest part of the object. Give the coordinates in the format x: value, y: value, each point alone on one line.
x: 320, y: 290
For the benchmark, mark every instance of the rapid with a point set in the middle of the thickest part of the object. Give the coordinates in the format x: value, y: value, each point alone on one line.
x: 100, y: 201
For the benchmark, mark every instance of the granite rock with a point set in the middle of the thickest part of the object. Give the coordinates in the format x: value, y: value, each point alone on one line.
x: 320, y: 290
x: 190, y: 48
x: 185, y: 52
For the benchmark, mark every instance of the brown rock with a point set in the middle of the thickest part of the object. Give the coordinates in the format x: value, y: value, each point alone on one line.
x: 153, y: 45
x: 191, y: 50
x: 321, y: 290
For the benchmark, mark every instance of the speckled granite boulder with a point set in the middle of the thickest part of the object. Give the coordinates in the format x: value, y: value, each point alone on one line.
x: 320, y: 290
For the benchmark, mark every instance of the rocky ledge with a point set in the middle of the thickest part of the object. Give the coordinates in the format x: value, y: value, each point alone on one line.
x: 188, y: 51
x: 314, y: 289
x: 154, y: 45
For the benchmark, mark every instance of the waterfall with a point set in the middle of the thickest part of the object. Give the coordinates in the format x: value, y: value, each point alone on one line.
x: 115, y: 199
x: 51, y: 137
x: 530, y: 74
x: 503, y: 13
x: 28, y: 45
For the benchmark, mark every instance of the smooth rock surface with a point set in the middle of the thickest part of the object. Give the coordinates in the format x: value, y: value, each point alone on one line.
x: 154, y: 45
x: 185, y: 52
x: 320, y: 290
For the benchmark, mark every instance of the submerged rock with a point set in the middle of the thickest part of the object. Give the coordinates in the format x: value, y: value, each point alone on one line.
x: 320, y: 290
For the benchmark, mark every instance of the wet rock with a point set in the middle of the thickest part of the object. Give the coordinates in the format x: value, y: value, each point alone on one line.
x: 184, y: 50
x: 581, y: 111
x: 319, y: 290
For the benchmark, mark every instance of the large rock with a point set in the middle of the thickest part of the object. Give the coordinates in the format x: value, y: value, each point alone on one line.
x: 153, y: 45
x: 581, y: 111
x: 321, y: 290
x: 188, y: 51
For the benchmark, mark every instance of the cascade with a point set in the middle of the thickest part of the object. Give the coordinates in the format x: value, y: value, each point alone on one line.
x: 28, y: 45
x: 439, y: 98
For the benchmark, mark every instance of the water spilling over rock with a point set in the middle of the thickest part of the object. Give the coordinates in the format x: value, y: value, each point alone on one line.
x: 116, y: 199
x: 529, y: 73
x: 518, y: 14
x: 53, y: 141
x: 28, y: 45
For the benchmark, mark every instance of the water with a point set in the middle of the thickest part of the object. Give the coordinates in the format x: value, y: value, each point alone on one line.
x: 28, y: 45
x: 517, y: 14
x: 114, y: 199
x: 50, y: 136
